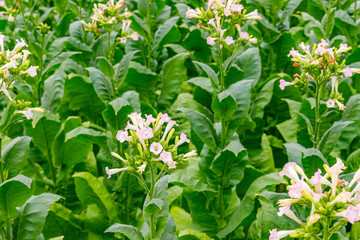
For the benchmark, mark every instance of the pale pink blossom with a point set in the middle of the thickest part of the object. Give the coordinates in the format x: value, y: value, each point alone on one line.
x: 286, y: 210
x: 244, y: 35
x: 168, y: 128
x: 129, y: 126
x: 305, y: 48
x: 171, y: 164
x: 31, y: 71
x: 190, y: 154
x: 156, y: 148
x: 212, y: 22
x: 145, y: 133
x: 123, y: 136
x: 340, y: 105
x: 253, y: 40
x: 351, y: 213
x: 2, y: 3
x: 141, y: 169
x: 343, y: 48
x: 253, y: 15
x: 193, y: 13
x: 210, y: 41
x: 183, y: 139
x: 348, y: 72
x: 290, y: 172
x: 284, y: 84
x: 320, y: 50
x: 123, y: 40
x: 343, y: 197
x: 330, y: 103
x: 323, y: 44
x: 135, y: 37
x: 229, y: 40
x: 149, y: 119
x: 166, y: 157
x: 355, y: 179
x: 275, y: 235
x: 237, y: 8
x: 293, y: 53
x: 113, y: 171
x: 11, y: 18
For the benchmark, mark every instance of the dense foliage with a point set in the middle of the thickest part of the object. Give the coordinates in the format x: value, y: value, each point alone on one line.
x: 188, y: 119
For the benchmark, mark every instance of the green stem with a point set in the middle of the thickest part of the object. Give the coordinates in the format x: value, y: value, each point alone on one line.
x: 127, y: 203
x: 152, y: 220
x: 317, y: 115
x: 355, y: 10
x: 222, y: 83
x: 159, y: 175
x: 109, y: 46
x: 326, y: 229
x: 1, y: 164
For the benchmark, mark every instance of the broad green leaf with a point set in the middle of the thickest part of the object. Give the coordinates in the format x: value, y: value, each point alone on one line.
x: 294, y: 152
x: 163, y: 31
x: 353, y: 161
x: 15, y: 155
x: 181, y: 217
x: 54, y: 91
x: 81, y: 95
x: 129, y: 231
x: 102, y: 84
x: 67, y: 215
x: 191, y: 233
x: 170, y: 230
x: 173, y: 75
x: 331, y: 136
x: 248, y: 202
x: 76, y: 30
x: 116, y: 111
x: 197, y: 182
x: 289, y: 9
x: 224, y: 106
x: 202, y: 82
x: 211, y: 74
x: 13, y: 193
x: 140, y: 26
x: 32, y: 216
x: 106, y: 67
x: 262, y: 157
x: 262, y: 99
x: 288, y: 130
x: 57, y: 61
x: 123, y: 68
x: 202, y: 126
x: 312, y: 161
x: 250, y: 62
x: 140, y: 77
x: 154, y: 206
x: 76, y: 45
x: 91, y: 190
x: 328, y: 22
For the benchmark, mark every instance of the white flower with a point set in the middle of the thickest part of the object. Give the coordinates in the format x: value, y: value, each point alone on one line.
x: 110, y: 172
x: 171, y: 164
x: 193, y: 13
x: 253, y: 15
x: 25, y: 54
x: 286, y: 210
x: 348, y: 72
x: 210, y: 41
x: 2, y: 42
x: 145, y: 133
x: 183, y: 138
x: 168, y: 128
x: 340, y: 105
x: 11, y: 18
x: 190, y: 154
x: 166, y: 157
x: 156, y: 148
x: 229, y: 40
x: 275, y: 235
x: 351, y: 213
x: 330, y: 103
x: 135, y: 37
x: 3, y: 88
x: 123, y: 136
x: 343, y: 48
x: 141, y: 169
x: 19, y: 44
x: 31, y: 71
x: 244, y: 35
x: 253, y: 40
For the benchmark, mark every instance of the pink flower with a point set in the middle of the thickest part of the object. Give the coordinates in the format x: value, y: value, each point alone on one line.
x: 323, y: 44
x: 190, y: 154
x: 275, y: 235
x: 156, y: 148
x: 114, y: 171
x: 351, y: 213
x: 130, y: 126
x: 316, y: 178
x: 31, y: 71
x: 305, y: 48
x: 166, y: 157
x: 253, y: 40
x: 320, y: 50
x: 212, y: 22
x: 123, y: 40
x: 136, y: 119
x: 284, y: 84
x: 290, y: 172
x: 171, y: 164
x: 295, y: 190
x: 348, y: 72
x: 237, y: 8
x: 183, y: 139
x: 244, y: 35
x: 229, y: 40
x: 343, y: 197
x: 2, y: 3
x: 28, y: 113
x: 145, y: 133
x: 293, y: 53
x: 149, y: 119
x: 253, y: 15
x: 165, y: 117
x: 168, y: 128
x: 141, y: 169
x: 330, y: 103
x: 135, y: 37
x: 123, y: 136
x: 286, y: 210
x: 343, y: 48
x: 210, y: 41
x: 340, y: 105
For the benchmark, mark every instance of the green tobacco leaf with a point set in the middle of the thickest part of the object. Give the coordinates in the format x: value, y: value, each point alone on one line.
x: 312, y: 161
x: 32, y: 216
x: 43, y: 131
x: 202, y: 82
x: 123, y: 68
x: 262, y: 99
x: 57, y: 61
x: 116, y: 111
x: 81, y: 95
x: 289, y: 9
x: 170, y: 230
x: 102, y: 84
x: 353, y: 161
x: 163, y: 30
x: 197, y: 182
x: 67, y: 215
x: 173, y: 75
x: 13, y: 193
x: 224, y: 105
x: 129, y: 231
x: 15, y: 155
x: 191, y: 233
x: 140, y: 26
x: 54, y: 91
x: 288, y: 130
x: 211, y: 74
x: 160, y: 192
x: 262, y: 158
x: 294, y: 152
x: 250, y: 62
x: 202, y: 126
x: 154, y: 206
x: 331, y: 136
x: 105, y: 67
x: 91, y: 190
x: 140, y: 77
x: 248, y: 202
x: 181, y: 217
x: 76, y: 30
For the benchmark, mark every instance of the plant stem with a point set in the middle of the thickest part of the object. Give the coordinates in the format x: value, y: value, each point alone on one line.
x: 355, y: 10
x: 317, y: 115
x: 1, y: 164
x: 326, y: 229
x: 152, y: 223
x: 109, y: 46
x: 221, y: 69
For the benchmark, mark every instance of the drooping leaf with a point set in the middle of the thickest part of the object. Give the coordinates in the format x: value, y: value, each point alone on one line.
x: 129, y: 231
x: 102, y: 84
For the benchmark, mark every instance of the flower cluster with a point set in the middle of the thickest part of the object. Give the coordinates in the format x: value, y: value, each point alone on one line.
x: 220, y: 17
x: 151, y: 137
x: 14, y: 65
x: 106, y: 16
x: 320, y: 65
x: 333, y: 201
x: 11, y: 12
